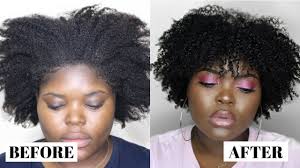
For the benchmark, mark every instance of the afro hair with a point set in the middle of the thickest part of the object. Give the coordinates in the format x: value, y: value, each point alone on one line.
x: 213, y: 35
x: 115, y: 44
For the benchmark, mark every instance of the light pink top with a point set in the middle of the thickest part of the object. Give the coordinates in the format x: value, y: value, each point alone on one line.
x: 170, y: 150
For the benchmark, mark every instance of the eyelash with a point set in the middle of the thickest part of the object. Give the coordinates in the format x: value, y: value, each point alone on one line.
x: 245, y: 90
x: 210, y: 85
x: 55, y: 108
x: 94, y: 107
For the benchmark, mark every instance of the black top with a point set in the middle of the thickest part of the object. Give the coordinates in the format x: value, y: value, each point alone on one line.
x: 124, y: 155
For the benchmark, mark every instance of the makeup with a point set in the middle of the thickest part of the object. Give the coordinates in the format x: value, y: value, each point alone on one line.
x: 222, y: 118
x: 246, y: 84
x: 209, y: 78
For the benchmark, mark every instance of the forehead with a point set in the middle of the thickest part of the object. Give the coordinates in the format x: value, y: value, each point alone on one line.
x: 76, y: 77
x: 71, y: 71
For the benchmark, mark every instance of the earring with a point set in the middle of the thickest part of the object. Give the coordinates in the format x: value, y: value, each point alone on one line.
x: 180, y: 121
x: 260, y: 122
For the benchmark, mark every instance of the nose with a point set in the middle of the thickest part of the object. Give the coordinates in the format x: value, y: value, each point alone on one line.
x: 75, y: 115
x: 225, y: 96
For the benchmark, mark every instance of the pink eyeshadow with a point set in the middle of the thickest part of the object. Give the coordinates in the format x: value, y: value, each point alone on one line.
x: 208, y: 78
x: 246, y: 83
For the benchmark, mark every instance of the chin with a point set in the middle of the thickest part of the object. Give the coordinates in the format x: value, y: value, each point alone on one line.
x: 221, y: 134
x: 82, y: 155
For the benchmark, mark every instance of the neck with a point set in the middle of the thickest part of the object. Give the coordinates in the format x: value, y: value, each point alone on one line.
x: 203, y: 143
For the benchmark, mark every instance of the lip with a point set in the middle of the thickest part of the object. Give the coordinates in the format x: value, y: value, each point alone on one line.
x: 222, y: 119
x: 82, y: 140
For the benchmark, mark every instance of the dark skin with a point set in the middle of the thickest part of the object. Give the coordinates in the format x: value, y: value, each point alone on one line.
x: 210, y: 91
x: 75, y: 101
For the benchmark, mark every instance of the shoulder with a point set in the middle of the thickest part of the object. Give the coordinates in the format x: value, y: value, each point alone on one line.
x: 272, y: 136
x: 293, y: 145
x: 174, y: 137
x: 2, y: 159
x: 4, y: 164
x: 170, y: 148
x: 132, y: 154
x: 130, y: 147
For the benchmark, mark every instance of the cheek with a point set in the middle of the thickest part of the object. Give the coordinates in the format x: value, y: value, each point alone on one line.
x: 100, y: 123
x: 51, y: 123
x: 248, y: 106
x: 201, y: 103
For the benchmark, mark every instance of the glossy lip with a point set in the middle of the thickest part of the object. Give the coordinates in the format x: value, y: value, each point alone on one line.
x: 222, y: 119
x: 82, y: 140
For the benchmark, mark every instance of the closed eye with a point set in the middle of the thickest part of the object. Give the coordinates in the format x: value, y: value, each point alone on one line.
x: 208, y: 85
x: 246, y: 90
x: 94, y: 107
x: 55, y: 107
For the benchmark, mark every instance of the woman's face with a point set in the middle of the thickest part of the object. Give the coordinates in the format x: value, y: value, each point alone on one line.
x: 76, y: 105
x: 223, y: 107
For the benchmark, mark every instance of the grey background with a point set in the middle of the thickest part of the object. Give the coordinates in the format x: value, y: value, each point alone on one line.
x: 164, y: 116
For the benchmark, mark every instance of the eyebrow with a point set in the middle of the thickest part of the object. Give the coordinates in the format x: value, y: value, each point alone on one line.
x: 246, y: 76
x: 211, y: 70
x: 62, y: 96
x: 237, y: 77
x: 53, y: 94
x: 96, y: 92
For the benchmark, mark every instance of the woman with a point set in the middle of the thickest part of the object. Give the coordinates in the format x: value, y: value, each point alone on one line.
x: 74, y: 75
x: 228, y: 69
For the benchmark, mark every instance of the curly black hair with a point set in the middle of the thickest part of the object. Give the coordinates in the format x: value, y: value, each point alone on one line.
x: 115, y: 44
x: 213, y: 35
